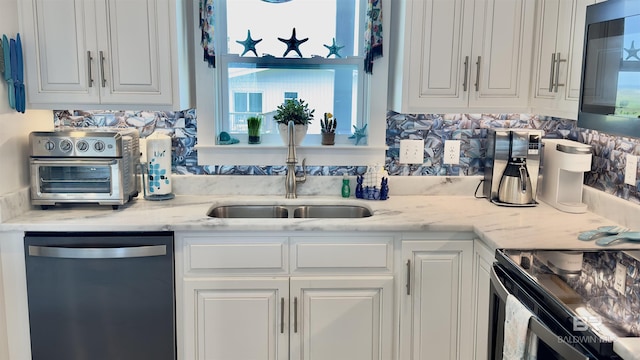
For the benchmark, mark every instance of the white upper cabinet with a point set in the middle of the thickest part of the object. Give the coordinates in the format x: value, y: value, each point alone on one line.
x: 461, y: 55
x: 117, y: 54
x: 558, y: 57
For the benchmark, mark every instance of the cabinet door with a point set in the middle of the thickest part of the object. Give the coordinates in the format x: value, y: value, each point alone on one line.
x: 482, y: 261
x: 435, y: 320
x: 236, y: 319
x: 501, y: 56
x: 559, y: 50
x: 341, y: 318
x: 134, y: 39
x: 440, y: 44
x: 59, y: 41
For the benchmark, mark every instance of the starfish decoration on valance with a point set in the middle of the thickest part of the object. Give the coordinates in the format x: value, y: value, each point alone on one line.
x: 249, y: 44
x: 293, y: 43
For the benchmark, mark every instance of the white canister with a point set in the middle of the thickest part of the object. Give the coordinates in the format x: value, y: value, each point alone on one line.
x: 158, y: 164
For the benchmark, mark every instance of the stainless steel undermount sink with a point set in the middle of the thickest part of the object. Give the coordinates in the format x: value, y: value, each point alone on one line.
x: 331, y: 211
x: 290, y: 211
x: 249, y: 211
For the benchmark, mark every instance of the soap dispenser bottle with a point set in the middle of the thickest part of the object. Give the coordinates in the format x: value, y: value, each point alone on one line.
x: 346, y: 188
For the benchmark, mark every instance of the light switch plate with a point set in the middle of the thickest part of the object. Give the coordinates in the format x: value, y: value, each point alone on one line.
x: 451, y: 152
x: 411, y: 151
x: 620, y: 280
x: 631, y: 169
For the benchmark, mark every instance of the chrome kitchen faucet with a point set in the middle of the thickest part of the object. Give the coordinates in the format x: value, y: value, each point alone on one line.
x: 291, y: 179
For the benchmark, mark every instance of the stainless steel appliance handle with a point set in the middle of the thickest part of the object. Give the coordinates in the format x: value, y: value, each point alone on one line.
x: 551, y: 71
x: 74, y: 162
x: 543, y: 333
x: 89, y: 61
x: 104, y: 80
x: 97, y: 253
x: 466, y: 73
x: 477, y: 85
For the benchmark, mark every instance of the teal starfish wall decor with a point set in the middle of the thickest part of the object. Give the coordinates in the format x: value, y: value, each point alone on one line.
x: 293, y: 43
x: 333, y: 49
x: 249, y: 44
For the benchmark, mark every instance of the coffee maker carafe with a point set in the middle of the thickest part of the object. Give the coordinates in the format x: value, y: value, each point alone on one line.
x: 511, y: 167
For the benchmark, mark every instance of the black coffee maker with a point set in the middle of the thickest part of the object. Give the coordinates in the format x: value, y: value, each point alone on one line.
x: 512, y: 165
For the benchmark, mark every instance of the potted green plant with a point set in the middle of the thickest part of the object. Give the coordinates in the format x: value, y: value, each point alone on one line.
x: 253, y: 127
x: 295, y: 110
x: 328, y: 128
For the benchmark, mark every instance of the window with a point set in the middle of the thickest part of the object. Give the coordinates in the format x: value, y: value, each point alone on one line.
x: 250, y: 80
x: 252, y: 58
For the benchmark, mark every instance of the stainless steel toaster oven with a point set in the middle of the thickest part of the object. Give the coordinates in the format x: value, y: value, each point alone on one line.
x: 95, y: 166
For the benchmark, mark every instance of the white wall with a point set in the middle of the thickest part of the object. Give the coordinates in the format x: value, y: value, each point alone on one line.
x: 15, y: 127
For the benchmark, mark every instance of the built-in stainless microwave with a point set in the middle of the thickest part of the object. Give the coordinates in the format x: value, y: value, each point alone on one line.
x: 610, y: 88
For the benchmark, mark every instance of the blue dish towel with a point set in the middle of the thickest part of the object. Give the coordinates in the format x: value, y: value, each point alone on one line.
x: 519, y: 342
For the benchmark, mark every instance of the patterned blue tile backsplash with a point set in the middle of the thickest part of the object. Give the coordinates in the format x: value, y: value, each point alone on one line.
x: 471, y: 129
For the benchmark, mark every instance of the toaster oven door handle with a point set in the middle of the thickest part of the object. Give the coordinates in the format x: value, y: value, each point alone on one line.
x: 73, y: 162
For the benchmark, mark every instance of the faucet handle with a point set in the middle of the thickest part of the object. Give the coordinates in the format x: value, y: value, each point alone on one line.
x: 302, y: 178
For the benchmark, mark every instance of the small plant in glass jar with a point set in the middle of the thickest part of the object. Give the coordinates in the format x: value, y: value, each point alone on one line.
x: 253, y: 127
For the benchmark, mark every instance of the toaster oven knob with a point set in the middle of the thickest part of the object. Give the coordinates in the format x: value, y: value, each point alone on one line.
x: 66, y: 145
x: 82, y: 145
x: 99, y: 146
x: 49, y: 145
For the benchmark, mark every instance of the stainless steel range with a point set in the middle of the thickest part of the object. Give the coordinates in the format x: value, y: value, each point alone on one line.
x: 95, y: 166
x: 585, y: 303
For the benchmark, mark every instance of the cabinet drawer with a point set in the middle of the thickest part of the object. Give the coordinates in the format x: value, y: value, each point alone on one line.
x: 355, y: 253
x: 237, y: 254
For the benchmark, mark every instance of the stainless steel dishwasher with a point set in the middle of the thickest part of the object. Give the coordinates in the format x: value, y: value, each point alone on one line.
x: 101, y: 295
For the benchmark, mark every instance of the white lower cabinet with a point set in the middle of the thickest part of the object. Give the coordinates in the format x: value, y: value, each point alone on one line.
x: 236, y: 319
x: 238, y: 300
x: 436, y: 305
x: 483, y: 258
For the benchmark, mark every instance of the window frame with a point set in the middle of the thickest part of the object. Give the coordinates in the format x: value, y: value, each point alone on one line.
x: 210, y: 102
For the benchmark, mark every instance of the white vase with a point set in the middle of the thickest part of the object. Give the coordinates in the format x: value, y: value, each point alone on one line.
x: 300, y: 133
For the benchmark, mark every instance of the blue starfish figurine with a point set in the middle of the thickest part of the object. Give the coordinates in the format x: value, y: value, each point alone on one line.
x: 633, y: 52
x: 333, y: 49
x: 359, y: 134
x: 249, y: 44
x: 293, y: 43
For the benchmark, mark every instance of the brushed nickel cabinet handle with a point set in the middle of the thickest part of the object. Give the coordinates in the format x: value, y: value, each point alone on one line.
x: 104, y: 80
x: 551, y: 71
x: 295, y: 314
x: 466, y: 73
x: 477, y: 85
x: 281, y: 315
x: 408, y: 277
x: 89, y: 61
x: 558, y: 61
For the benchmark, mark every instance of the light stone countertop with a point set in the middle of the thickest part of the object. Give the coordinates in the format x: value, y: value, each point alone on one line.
x: 499, y: 227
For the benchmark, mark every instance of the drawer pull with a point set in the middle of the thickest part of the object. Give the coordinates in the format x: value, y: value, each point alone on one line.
x: 408, y: 277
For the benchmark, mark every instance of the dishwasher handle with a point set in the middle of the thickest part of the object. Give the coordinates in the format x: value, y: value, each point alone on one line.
x: 97, y: 253
x: 543, y: 333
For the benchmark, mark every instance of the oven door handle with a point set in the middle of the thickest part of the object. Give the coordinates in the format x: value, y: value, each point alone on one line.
x: 543, y: 333
x: 97, y: 253
x: 73, y: 162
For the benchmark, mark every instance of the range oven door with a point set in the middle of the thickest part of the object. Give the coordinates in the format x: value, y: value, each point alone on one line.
x: 551, y: 335
x: 76, y: 180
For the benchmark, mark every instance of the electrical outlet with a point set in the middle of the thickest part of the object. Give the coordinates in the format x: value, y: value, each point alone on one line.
x: 631, y: 169
x: 411, y: 151
x: 451, y: 152
x: 620, y: 280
